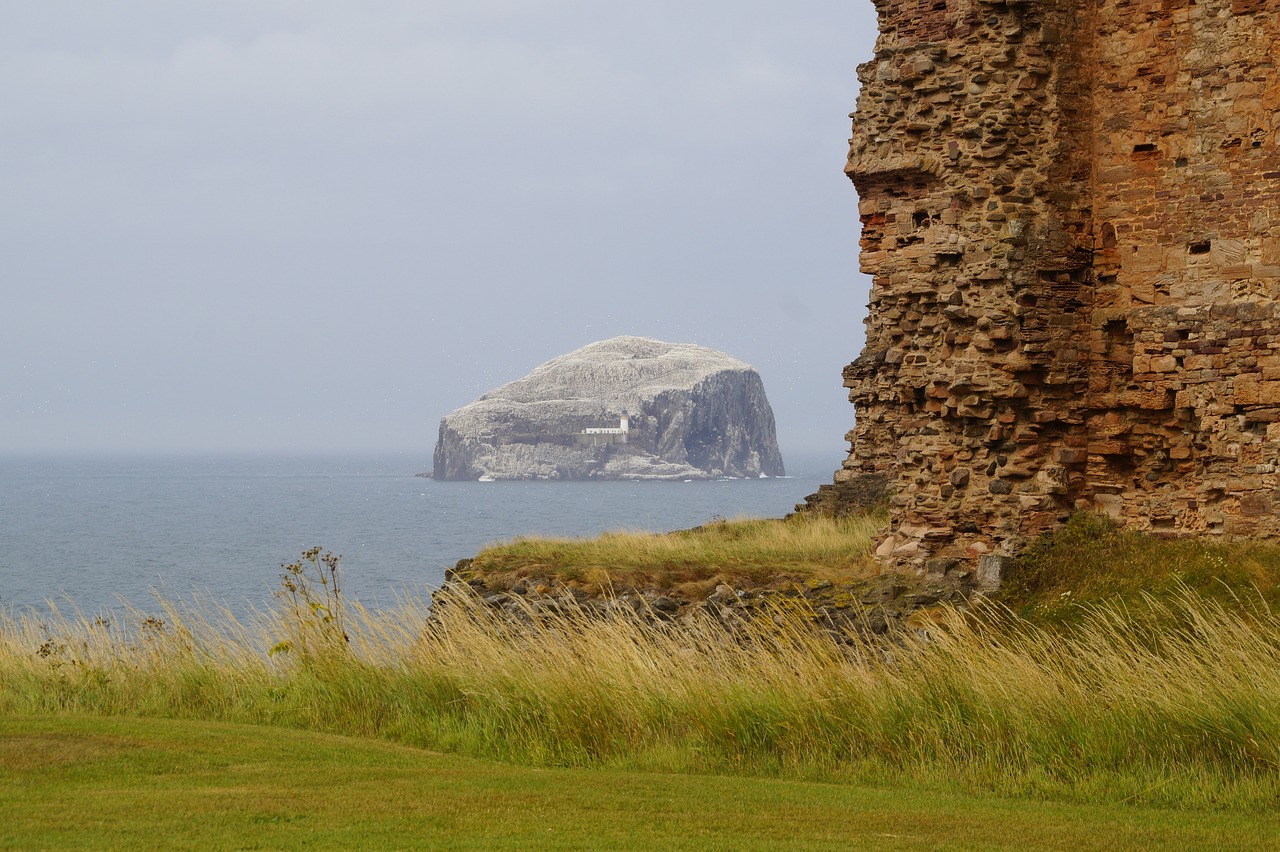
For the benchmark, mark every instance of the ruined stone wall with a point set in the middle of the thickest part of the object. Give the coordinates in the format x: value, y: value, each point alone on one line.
x: 1070, y: 216
x: 1184, y: 390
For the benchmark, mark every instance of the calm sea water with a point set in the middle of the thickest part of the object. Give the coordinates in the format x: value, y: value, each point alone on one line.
x: 96, y: 529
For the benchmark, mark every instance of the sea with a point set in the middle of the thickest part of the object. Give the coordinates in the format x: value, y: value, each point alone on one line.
x: 95, y: 533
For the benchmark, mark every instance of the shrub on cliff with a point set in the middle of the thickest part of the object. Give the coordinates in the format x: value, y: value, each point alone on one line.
x: 1093, y: 560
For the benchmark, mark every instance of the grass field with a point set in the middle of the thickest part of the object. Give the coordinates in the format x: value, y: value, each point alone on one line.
x: 1176, y: 706
x: 127, y: 783
x: 1126, y: 706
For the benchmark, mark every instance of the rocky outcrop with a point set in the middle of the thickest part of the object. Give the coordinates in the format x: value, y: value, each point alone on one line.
x: 891, y: 607
x: 1070, y: 214
x: 625, y: 408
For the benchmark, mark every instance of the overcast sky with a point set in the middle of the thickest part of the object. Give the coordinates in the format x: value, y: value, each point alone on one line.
x: 313, y: 225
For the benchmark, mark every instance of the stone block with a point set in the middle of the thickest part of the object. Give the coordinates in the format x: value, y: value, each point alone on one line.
x: 1262, y: 415
x: 1246, y: 390
x: 1109, y: 448
x: 1256, y: 505
x: 1153, y: 399
x: 939, y: 567
x: 1268, y: 393
x: 991, y: 570
x: 1198, y: 362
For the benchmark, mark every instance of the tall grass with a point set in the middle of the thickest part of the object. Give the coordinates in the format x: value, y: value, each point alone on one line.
x: 1120, y: 707
x: 1093, y: 561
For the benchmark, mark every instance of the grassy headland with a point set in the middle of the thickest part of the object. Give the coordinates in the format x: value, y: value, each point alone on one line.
x: 1090, y: 562
x: 745, y: 550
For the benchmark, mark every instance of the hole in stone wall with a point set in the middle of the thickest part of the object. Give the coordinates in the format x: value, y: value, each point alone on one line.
x: 1181, y: 162
x: 1119, y: 467
x: 920, y: 218
x: 1117, y: 329
x: 1108, y: 236
x: 1027, y: 300
x: 1118, y: 343
x: 1201, y: 247
x: 1144, y: 148
x: 1117, y: 334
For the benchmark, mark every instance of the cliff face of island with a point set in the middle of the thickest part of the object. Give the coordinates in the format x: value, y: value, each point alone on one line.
x: 626, y: 408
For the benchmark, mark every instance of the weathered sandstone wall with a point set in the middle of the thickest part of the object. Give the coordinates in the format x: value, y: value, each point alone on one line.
x: 1071, y: 215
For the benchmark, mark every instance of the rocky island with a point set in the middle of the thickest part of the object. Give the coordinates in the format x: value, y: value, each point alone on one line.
x: 626, y: 408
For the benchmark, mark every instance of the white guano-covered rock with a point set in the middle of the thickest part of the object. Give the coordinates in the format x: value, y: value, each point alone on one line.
x: 692, y: 413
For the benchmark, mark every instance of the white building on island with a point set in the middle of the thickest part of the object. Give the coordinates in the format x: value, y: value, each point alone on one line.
x: 608, y: 434
x: 624, y: 426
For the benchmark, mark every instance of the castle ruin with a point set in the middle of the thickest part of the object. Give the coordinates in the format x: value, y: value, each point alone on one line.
x: 1071, y: 215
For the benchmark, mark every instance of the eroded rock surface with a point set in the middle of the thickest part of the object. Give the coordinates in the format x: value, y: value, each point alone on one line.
x: 1071, y: 213
x: 890, y: 607
x: 691, y: 413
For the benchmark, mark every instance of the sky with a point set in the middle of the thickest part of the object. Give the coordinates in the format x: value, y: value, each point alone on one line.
x: 321, y: 225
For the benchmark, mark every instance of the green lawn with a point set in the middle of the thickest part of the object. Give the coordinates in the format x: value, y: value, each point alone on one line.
x: 115, y: 783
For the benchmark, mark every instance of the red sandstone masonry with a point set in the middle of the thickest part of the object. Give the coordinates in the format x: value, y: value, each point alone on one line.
x: 1071, y: 215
